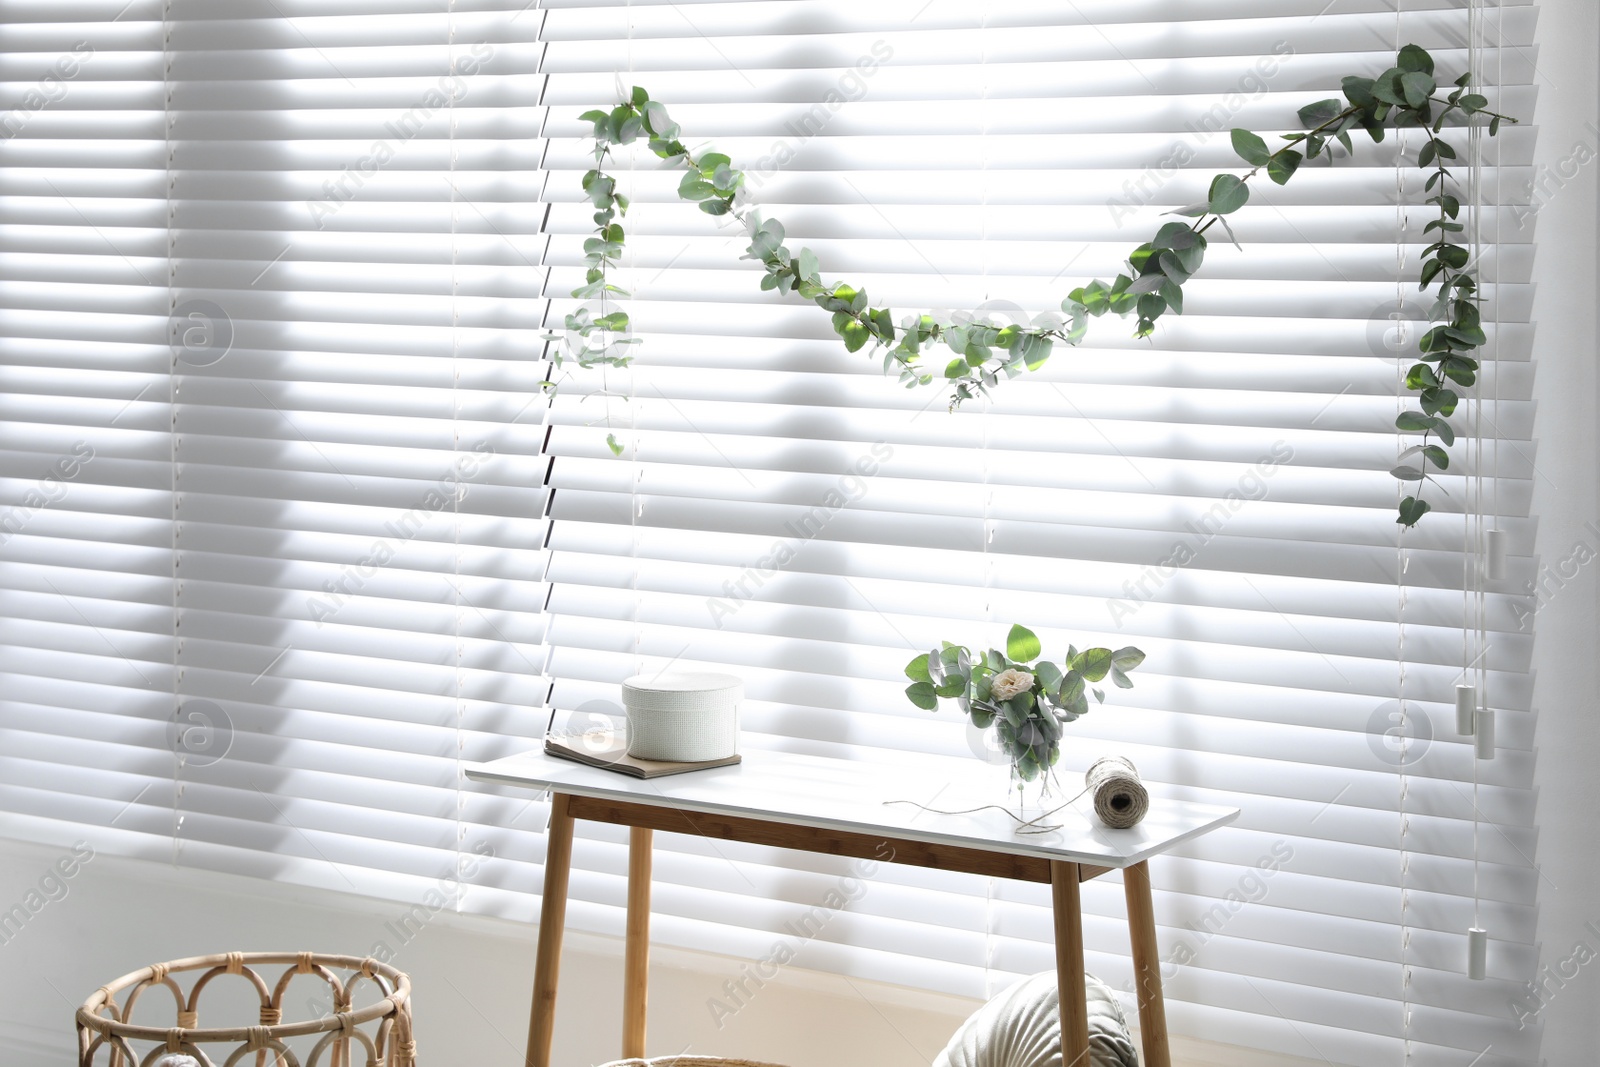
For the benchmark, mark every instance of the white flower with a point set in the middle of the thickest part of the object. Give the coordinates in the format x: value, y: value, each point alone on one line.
x: 1009, y: 683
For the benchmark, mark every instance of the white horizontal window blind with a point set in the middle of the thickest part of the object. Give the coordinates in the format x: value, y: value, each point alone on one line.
x: 1219, y: 496
x: 272, y: 278
x: 86, y: 585
x: 288, y: 530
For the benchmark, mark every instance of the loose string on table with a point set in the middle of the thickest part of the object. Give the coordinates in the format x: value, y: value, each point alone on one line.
x: 1023, y: 824
x: 1120, y: 799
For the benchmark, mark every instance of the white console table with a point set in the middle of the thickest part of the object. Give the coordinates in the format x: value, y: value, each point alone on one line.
x: 837, y: 807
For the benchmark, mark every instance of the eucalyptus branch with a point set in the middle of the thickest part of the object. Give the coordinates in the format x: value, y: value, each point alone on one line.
x: 983, y: 352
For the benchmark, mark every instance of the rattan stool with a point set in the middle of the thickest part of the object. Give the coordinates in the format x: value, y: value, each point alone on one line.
x: 102, y: 1024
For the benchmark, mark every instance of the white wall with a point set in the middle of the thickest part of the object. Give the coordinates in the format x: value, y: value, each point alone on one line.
x: 1566, y: 497
x: 472, y: 975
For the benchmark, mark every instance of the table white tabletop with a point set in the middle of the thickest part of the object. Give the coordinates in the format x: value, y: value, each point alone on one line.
x: 850, y: 795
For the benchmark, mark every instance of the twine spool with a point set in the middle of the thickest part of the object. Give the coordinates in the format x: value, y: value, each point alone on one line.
x: 1120, y: 799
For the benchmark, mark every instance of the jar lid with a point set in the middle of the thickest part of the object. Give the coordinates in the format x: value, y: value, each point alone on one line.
x: 707, y: 683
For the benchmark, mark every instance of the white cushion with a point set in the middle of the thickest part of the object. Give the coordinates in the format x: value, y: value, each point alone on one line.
x: 1022, y: 1028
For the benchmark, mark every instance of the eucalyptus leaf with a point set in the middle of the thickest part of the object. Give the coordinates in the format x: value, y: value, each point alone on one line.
x: 1281, y: 167
x: 1022, y: 645
x: 1251, y: 148
x: 1094, y: 663
x: 1227, y: 194
x: 1411, y: 510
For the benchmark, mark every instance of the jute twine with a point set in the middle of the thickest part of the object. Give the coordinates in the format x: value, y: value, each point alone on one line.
x: 1120, y: 799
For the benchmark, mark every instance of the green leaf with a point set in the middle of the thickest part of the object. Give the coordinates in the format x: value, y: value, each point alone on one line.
x: 1022, y: 645
x: 1407, y: 474
x: 1417, y: 87
x: 1094, y: 663
x: 1227, y: 194
x: 1071, y: 691
x: 715, y: 207
x: 1127, y: 658
x: 1229, y: 231
x: 952, y: 687
x: 1049, y: 676
x: 1194, y: 255
x: 1386, y: 87
x: 1176, y: 236
x: 923, y: 695
x: 657, y: 120
x: 1438, y: 456
x: 808, y: 264
x: 613, y: 444
x: 639, y: 97
x: 1359, y: 91
x: 1444, y: 431
x: 1413, y: 421
x: 1168, y: 264
x: 956, y: 368
x: 1314, y: 115
x: 692, y: 188
x: 1151, y: 305
x: 709, y: 162
x: 1461, y: 371
x: 1251, y: 148
x: 1281, y: 167
x: 1412, y: 509
x: 1038, y: 352
x: 917, y: 669
x: 1415, y: 58
x: 855, y: 335
x: 1421, y: 376
x: 1120, y: 679
x: 1173, y: 295
x: 1439, y: 401
x: 1472, y: 102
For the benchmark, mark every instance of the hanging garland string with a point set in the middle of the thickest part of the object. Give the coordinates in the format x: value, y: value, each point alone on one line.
x: 1405, y: 95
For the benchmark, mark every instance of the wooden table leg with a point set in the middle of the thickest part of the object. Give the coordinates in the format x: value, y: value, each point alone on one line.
x: 1070, y: 985
x: 636, y: 967
x: 552, y: 920
x: 1146, y: 965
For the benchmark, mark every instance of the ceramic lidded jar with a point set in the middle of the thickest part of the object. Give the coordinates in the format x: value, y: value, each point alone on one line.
x: 683, y: 716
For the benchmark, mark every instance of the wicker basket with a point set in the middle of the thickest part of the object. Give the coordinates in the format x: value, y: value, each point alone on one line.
x: 107, y: 1034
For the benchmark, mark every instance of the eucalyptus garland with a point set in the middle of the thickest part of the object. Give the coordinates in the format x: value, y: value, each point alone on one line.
x: 1405, y: 96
